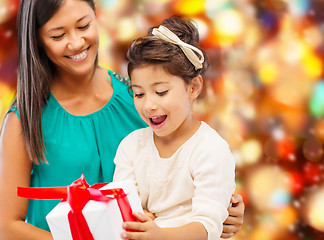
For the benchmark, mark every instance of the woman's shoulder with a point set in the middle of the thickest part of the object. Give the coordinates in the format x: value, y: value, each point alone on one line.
x: 123, y: 79
x: 11, y: 124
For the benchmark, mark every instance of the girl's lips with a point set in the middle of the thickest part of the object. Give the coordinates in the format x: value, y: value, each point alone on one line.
x: 157, y: 122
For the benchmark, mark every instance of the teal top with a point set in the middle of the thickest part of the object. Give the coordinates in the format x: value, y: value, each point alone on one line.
x: 81, y: 144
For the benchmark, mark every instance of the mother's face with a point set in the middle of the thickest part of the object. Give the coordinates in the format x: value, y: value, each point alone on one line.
x: 70, y: 38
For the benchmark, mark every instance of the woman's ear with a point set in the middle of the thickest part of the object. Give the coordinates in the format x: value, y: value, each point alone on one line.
x: 195, y: 87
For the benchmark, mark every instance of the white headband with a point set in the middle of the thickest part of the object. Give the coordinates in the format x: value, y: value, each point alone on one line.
x: 165, y: 34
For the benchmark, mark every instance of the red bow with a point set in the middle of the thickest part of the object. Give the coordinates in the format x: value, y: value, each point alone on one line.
x: 77, y: 195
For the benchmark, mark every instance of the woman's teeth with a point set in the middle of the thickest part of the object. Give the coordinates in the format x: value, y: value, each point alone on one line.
x: 79, y: 56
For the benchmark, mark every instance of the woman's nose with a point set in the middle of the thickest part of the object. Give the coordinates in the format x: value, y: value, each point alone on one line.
x: 76, y: 42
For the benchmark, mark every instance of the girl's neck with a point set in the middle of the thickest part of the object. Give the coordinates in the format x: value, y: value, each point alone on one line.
x: 168, y: 145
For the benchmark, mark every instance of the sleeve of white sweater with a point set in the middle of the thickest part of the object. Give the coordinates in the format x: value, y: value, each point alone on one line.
x: 212, y: 168
x: 124, y: 169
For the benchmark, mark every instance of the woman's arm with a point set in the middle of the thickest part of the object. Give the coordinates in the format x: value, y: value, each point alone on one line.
x: 234, y: 222
x: 15, y: 170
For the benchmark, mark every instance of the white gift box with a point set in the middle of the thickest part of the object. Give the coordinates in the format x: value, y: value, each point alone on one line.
x: 104, y: 219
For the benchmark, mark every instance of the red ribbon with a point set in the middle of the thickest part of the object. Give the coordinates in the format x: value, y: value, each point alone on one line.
x: 77, y: 195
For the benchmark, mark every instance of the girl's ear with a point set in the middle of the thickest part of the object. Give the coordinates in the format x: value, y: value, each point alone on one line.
x: 195, y: 87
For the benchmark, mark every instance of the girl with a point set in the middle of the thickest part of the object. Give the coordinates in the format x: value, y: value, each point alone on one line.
x: 69, y: 115
x: 183, y: 169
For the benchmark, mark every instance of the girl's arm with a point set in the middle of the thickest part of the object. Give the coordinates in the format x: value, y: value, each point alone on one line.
x: 146, y: 229
x: 15, y: 170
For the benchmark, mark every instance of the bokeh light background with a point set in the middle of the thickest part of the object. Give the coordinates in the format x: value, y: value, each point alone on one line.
x: 264, y: 94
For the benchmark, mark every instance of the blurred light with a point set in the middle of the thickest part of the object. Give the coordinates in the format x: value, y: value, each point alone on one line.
x: 319, y: 129
x: 280, y: 198
x: 313, y: 149
x: 291, y: 91
x: 269, y: 21
x: 276, y: 5
x: 128, y: 23
x: 237, y: 84
x: 268, y: 73
x: 6, y: 97
x: 153, y: 7
x: 312, y: 65
x: 296, y: 182
x: 108, y: 3
x: 4, y: 11
x: 298, y: 7
x: 286, y: 217
x: 313, y: 36
x: 281, y: 149
x: 190, y: 7
x: 268, y: 188
x: 316, y: 103
x: 262, y: 232
x: 202, y: 27
x: 213, y: 7
x: 292, y: 50
x: 251, y: 151
x: 228, y: 27
x: 313, y: 211
x: 313, y: 173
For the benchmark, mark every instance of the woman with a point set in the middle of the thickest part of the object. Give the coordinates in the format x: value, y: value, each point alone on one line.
x: 69, y: 115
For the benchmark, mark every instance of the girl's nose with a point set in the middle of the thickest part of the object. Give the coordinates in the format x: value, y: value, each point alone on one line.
x: 150, y: 104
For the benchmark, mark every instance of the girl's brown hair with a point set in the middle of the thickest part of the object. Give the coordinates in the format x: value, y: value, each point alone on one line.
x: 152, y: 50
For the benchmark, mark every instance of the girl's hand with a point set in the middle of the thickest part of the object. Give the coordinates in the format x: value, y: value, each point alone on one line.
x: 149, y: 214
x: 234, y: 222
x: 145, y: 229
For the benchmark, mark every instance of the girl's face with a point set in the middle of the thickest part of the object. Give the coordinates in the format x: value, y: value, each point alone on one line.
x: 163, y: 101
x: 70, y: 38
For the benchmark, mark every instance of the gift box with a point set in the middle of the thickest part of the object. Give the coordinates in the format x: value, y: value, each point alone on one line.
x: 89, y: 212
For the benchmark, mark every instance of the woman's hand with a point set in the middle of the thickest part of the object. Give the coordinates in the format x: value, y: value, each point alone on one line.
x: 145, y: 229
x: 234, y: 222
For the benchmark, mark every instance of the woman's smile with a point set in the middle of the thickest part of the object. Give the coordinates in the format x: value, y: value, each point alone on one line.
x: 80, y: 56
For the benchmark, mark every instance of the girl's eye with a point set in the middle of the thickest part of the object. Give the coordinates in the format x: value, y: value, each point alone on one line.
x: 138, y: 95
x: 58, y: 37
x: 162, y: 93
x: 84, y: 27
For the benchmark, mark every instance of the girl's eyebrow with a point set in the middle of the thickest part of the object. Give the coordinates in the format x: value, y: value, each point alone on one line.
x: 58, y: 28
x: 154, y: 84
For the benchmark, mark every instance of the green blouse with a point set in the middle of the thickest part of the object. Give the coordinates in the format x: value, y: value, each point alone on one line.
x: 81, y: 144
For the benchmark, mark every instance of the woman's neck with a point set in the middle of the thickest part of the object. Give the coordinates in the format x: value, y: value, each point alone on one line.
x: 66, y: 84
x: 82, y: 95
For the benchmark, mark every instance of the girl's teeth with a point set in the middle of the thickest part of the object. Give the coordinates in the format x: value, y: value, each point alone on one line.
x: 158, y: 120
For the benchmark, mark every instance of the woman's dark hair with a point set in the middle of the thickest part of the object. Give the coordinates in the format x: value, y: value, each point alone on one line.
x: 150, y: 50
x: 35, y: 71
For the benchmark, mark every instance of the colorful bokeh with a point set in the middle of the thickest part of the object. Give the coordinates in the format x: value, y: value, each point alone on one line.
x: 264, y: 94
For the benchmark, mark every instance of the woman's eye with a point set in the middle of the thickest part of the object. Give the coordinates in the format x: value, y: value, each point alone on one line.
x: 162, y: 93
x: 138, y: 95
x: 84, y: 27
x: 58, y: 37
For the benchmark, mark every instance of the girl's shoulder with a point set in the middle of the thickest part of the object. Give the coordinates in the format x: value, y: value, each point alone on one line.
x: 138, y: 137
x: 208, y: 137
